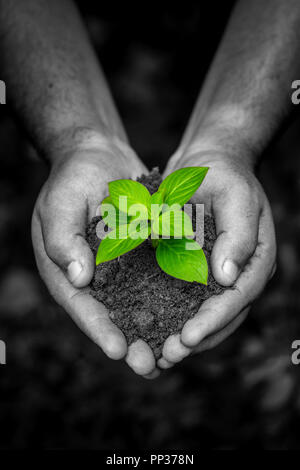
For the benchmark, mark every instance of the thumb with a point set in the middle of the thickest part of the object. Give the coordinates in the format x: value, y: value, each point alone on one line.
x: 63, y: 231
x: 237, y: 231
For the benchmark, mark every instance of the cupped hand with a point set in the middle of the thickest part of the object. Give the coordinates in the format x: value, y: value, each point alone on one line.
x: 67, y: 202
x: 243, y: 256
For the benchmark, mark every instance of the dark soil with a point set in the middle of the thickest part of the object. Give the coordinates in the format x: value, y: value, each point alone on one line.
x: 142, y: 300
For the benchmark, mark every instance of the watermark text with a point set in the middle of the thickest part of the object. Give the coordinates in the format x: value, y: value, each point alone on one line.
x: 2, y: 353
x: 2, y: 92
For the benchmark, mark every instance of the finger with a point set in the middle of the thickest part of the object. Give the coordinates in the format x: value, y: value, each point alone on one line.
x: 218, y: 311
x: 237, y: 219
x: 90, y: 315
x: 164, y: 364
x: 173, y: 350
x: 153, y: 375
x: 215, y: 339
x: 207, y: 343
x: 140, y: 358
x: 63, y: 226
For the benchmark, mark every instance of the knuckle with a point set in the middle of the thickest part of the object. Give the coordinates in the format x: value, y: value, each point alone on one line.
x: 244, y: 189
x: 248, y: 190
x: 52, y: 245
x: 48, y: 202
x: 246, y: 248
x: 251, y: 199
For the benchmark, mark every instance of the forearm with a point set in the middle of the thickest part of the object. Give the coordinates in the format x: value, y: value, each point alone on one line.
x: 53, y: 79
x: 246, y: 94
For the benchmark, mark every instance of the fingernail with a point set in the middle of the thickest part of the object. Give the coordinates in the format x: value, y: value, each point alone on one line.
x: 230, y: 269
x: 74, y: 269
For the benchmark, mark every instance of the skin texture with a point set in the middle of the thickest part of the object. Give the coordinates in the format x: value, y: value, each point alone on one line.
x: 63, y: 101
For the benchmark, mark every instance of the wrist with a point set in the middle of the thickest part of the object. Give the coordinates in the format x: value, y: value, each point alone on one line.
x: 85, y: 139
x: 226, y: 133
x: 91, y: 149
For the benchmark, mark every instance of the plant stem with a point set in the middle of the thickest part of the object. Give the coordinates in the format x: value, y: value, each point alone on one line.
x: 154, y: 242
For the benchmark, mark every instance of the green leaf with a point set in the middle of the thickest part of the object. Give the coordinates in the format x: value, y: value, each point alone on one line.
x: 138, y: 211
x: 183, y: 259
x: 180, y: 185
x: 111, y: 215
x: 120, y: 241
x: 173, y: 224
x: 136, y: 193
x: 107, y: 200
x: 157, y: 200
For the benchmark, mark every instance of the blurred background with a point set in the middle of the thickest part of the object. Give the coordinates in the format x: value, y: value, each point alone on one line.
x: 57, y: 389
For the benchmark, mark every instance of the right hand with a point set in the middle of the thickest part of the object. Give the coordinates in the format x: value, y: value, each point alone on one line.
x: 243, y: 256
x: 68, y: 200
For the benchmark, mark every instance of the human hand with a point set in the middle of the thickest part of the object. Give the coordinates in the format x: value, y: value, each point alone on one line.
x: 69, y: 198
x: 243, y: 255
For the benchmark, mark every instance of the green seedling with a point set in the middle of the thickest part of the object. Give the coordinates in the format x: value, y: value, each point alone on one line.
x: 134, y: 215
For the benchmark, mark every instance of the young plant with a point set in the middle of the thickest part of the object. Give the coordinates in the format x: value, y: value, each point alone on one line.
x: 133, y: 215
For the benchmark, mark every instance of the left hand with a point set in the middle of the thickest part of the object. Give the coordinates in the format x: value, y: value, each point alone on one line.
x: 243, y: 255
x: 76, y: 185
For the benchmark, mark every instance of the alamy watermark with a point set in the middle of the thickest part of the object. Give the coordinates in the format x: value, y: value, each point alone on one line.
x: 296, y: 94
x: 2, y: 343
x: 295, y: 358
x: 2, y: 353
x: 2, y: 92
x: 173, y: 225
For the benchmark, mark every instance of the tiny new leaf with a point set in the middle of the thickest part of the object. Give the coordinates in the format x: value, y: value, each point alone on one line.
x: 157, y: 198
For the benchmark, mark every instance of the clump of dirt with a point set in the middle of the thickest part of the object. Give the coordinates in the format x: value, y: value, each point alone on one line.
x: 143, y: 301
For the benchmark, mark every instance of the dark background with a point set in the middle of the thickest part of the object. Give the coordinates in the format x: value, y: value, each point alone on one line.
x: 57, y: 389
